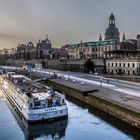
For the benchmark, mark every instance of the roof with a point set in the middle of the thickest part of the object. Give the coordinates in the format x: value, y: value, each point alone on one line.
x: 95, y: 43
x: 124, y: 51
x: 17, y: 76
x: 20, y: 76
x: 129, y: 41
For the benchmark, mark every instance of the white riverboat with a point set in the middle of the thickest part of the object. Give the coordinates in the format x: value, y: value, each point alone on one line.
x: 35, y: 101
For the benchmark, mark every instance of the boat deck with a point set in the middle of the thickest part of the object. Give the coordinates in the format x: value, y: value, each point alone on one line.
x: 31, y: 87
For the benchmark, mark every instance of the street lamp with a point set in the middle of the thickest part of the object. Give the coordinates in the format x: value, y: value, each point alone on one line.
x: 68, y: 74
x: 101, y: 80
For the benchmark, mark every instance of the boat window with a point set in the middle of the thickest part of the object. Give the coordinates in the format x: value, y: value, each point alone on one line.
x: 63, y: 101
x: 31, y: 105
x: 37, y: 103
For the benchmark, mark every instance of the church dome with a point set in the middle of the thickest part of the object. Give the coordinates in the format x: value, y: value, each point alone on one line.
x: 112, y: 32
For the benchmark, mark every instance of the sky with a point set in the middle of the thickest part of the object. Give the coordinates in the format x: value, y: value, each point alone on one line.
x: 64, y: 21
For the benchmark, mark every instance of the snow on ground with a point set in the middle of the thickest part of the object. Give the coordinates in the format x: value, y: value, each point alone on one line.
x: 109, y: 86
x: 100, y: 83
x: 128, y: 91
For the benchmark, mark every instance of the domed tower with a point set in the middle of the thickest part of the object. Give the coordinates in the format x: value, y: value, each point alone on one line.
x: 112, y: 19
x: 46, y: 43
x: 112, y: 32
x: 123, y: 38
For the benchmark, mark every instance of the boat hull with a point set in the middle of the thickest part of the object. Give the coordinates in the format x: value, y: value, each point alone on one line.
x: 37, y: 115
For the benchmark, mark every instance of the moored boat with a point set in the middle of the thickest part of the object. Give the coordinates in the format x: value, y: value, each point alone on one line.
x: 35, y: 101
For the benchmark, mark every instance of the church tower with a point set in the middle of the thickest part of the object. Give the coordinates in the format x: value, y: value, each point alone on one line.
x: 123, y: 38
x: 100, y: 37
x: 112, y: 32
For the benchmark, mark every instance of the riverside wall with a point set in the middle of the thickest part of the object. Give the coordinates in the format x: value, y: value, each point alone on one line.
x: 120, y: 106
x: 117, y: 110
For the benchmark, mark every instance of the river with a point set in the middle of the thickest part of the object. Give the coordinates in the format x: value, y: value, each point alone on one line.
x: 83, y: 123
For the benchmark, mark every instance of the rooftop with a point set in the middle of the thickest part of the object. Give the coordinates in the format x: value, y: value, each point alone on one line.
x: 95, y: 43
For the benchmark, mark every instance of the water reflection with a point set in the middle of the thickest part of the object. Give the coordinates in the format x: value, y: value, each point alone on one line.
x: 54, y: 129
x: 84, y: 123
x: 114, y: 122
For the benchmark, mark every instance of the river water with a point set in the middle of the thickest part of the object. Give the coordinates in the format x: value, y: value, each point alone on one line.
x: 83, y: 123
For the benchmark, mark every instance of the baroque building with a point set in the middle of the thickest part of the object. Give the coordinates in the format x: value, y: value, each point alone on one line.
x: 125, y: 61
x: 112, y: 32
x: 118, y: 57
x: 97, y: 49
x: 42, y: 51
x: 92, y: 50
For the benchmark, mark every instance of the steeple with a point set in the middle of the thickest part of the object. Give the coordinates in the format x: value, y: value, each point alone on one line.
x: 100, y: 37
x: 112, y: 32
x: 111, y: 19
x: 123, y: 38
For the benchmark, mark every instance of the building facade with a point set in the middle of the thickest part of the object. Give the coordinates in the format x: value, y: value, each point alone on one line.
x: 93, y: 50
x: 43, y: 50
x: 97, y: 49
x: 119, y: 57
x: 123, y: 67
x: 125, y: 61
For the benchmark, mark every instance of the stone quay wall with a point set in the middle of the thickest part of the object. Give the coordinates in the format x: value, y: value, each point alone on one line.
x: 119, y: 110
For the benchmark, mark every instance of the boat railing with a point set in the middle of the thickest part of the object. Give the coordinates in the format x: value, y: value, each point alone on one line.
x: 18, y: 93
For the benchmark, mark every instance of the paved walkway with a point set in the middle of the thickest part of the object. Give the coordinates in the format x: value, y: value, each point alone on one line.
x: 128, y: 101
x: 80, y: 86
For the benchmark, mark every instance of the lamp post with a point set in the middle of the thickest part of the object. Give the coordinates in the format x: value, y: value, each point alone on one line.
x: 68, y: 74
x: 101, y: 80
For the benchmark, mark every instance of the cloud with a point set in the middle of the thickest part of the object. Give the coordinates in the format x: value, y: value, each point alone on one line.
x: 65, y: 21
x: 8, y: 37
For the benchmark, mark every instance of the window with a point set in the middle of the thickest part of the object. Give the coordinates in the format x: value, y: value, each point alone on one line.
x: 112, y: 64
x: 102, y: 49
x: 63, y: 101
x: 102, y: 55
x: 105, y: 48
x: 109, y: 48
x: 37, y: 103
x: 119, y: 64
x: 96, y: 49
x: 133, y: 65
x: 128, y: 65
x: 123, y: 64
x: 108, y: 64
x: 31, y: 105
x: 124, y: 71
x: 95, y: 55
x: 116, y: 65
